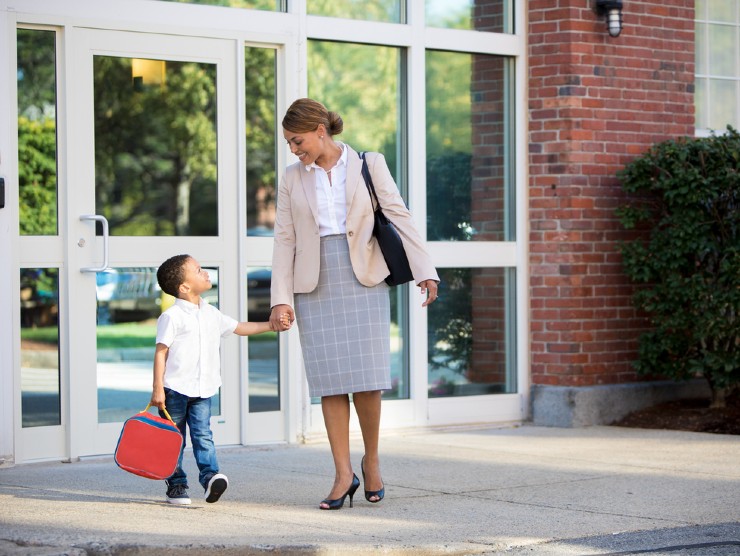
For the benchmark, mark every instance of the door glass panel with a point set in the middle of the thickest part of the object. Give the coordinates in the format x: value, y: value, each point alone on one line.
x: 129, y: 302
x: 261, y: 110
x: 469, y: 148
x: 264, y: 368
x: 472, y: 345
x: 367, y: 94
x: 37, y: 141
x: 155, y: 147
x: 476, y: 15
x: 40, y: 387
x: 369, y: 10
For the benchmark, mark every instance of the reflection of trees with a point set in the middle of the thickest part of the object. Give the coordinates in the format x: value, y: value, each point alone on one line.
x: 261, y: 148
x: 448, y: 103
x: 449, y: 146
x: 36, y: 74
x: 450, y: 322
x: 369, y: 10
x: 37, y: 177
x: 360, y: 82
x: 448, y: 178
x: 155, y: 149
x: 39, y: 297
x: 37, y: 167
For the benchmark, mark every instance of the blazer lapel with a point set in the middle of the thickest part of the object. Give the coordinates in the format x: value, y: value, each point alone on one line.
x: 354, y: 183
x: 308, y: 181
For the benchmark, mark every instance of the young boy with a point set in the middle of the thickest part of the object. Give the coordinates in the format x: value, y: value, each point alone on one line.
x: 187, y: 368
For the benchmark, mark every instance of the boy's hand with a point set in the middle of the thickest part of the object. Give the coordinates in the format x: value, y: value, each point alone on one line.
x: 281, y: 317
x: 158, y: 398
x: 285, y: 321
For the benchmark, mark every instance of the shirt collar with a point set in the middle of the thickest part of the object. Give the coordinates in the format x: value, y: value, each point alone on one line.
x: 342, y: 159
x: 189, y: 307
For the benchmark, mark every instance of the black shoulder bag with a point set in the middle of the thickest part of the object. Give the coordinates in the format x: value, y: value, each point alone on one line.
x: 388, y: 238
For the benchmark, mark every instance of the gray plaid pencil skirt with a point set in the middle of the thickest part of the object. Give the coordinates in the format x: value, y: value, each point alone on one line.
x: 344, y: 327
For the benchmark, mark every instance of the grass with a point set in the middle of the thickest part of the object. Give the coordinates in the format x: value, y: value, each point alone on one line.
x: 117, y: 336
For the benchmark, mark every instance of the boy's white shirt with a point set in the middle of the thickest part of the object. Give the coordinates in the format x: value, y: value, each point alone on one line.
x: 193, y: 335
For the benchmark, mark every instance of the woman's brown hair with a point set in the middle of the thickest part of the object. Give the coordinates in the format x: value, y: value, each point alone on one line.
x: 306, y: 114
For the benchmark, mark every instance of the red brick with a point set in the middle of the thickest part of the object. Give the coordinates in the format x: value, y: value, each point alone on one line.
x: 596, y: 103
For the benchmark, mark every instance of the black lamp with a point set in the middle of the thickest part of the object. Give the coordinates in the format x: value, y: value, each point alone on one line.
x: 612, y: 10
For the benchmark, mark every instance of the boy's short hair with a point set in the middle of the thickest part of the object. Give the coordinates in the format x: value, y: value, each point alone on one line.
x: 171, y: 274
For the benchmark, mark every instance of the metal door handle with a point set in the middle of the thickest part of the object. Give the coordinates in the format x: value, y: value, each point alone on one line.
x: 104, y: 221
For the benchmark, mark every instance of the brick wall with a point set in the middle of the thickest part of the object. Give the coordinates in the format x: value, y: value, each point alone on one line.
x: 595, y: 102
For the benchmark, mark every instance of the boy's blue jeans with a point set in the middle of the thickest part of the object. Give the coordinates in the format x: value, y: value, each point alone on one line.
x: 196, y: 413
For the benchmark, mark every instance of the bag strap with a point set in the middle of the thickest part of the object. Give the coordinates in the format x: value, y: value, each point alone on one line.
x: 164, y: 411
x: 368, y: 179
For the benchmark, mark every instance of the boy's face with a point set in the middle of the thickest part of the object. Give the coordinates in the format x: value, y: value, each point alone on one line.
x: 196, y: 280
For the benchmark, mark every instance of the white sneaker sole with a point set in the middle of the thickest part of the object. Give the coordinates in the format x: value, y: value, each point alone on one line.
x: 179, y: 501
x: 216, y: 487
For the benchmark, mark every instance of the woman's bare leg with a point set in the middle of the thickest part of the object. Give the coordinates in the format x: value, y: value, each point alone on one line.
x: 367, y: 405
x: 336, y: 419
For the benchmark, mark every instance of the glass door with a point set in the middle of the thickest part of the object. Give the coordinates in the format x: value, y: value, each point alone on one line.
x: 152, y: 157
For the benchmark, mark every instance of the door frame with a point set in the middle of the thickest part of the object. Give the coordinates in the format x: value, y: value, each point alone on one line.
x: 78, y: 389
x: 90, y: 437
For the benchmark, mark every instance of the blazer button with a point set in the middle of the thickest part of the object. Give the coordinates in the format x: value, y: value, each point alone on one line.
x: 350, y: 234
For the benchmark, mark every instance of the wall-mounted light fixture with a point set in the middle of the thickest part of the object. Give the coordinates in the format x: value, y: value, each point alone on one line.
x: 147, y: 72
x: 612, y: 10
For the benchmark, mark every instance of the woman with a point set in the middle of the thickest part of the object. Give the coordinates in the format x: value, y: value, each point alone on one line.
x: 326, y: 260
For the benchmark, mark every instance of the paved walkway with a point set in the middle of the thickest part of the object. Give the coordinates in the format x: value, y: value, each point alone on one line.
x: 526, y: 490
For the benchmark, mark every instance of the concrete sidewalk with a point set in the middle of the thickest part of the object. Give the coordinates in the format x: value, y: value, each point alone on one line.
x: 526, y: 490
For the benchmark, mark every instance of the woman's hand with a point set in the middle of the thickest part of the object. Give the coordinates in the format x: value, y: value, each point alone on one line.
x: 277, y: 317
x: 430, y: 288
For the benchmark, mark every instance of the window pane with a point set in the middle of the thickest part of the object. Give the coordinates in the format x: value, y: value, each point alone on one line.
x: 468, y: 148
x: 721, y: 10
x: 369, y: 10
x: 268, y: 5
x: 129, y: 302
x: 723, y: 103
x: 471, y: 345
x: 261, y: 110
x: 264, y: 369
x: 37, y: 140
x: 155, y: 146
x: 700, y: 54
x: 362, y: 83
x: 722, y: 51
x: 40, y: 398
x: 700, y: 8
x: 477, y: 15
x: 399, y: 351
x: 700, y: 101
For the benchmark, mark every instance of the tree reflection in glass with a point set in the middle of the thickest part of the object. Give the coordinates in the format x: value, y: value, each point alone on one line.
x: 156, y: 149
x: 37, y: 132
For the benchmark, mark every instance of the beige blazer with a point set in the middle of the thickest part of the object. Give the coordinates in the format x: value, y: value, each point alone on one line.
x: 295, y: 257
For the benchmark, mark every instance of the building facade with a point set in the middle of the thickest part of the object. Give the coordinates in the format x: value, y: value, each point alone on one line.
x: 133, y: 130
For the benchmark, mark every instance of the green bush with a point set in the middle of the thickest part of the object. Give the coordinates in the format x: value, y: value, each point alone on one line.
x: 685, y: 195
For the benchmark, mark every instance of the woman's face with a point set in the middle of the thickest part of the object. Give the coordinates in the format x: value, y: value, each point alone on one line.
x: 308, y: 146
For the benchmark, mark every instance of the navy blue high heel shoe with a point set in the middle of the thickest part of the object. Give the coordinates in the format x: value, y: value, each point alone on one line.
x: 337, y: 503
x: 370, y: 493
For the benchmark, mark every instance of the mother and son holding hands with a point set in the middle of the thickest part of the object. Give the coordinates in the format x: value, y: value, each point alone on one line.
x: 328, y: 273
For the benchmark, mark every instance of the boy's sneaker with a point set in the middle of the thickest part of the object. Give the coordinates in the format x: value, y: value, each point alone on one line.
x: 177, y: 494
x: 216, y: 486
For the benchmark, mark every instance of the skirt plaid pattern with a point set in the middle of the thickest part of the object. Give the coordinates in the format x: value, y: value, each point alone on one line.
x: 344, y: 328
